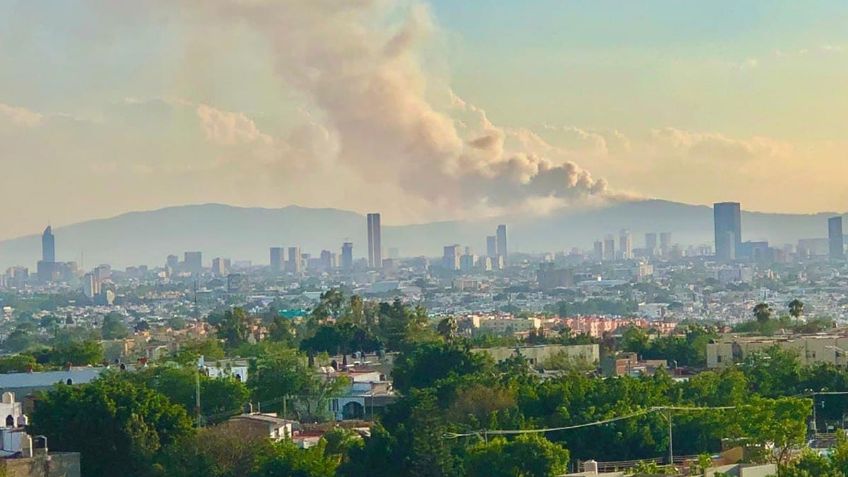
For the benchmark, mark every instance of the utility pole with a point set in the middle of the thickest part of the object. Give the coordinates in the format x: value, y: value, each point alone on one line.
x: 667, y: 415
x: 197, y: 395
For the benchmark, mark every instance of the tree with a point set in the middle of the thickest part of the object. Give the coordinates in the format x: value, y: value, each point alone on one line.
x: 428, y: 363
x: 177, y: 323
x: 191, y: 351
x: 280, y: 330
x: 77, y: 353
x: 112, y: 422
x: 18, y: 363
x: 762, y: 311
x: 21, y: 339
x: 447, y: 328
x: 279, y: 376
x: 528, y: 455
x: 114, y: 327
x: 796, y: 308
x: 779, y: 422
x: 220, y: 397
x: 234, y: 328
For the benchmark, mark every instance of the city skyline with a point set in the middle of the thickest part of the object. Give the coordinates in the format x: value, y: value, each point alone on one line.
x: 521, y: 142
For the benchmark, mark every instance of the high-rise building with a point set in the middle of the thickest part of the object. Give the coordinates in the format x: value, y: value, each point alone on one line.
x: 193, y: 262
x: 727, y: 219
x: 277, y: 259
x: 295, y: 263
x: 609, y: 247
x: 501, y: 242
x: 665, y: 243
x: 835, y: 238
x: 599, y: 249
x: 492, y: 246
x: 375, y: 250
x: 450, y: 258
x: 172, y: 262
x: 625, y: 243
x: 90, y: 285
x: 347, y: 256
x: 467, y: 262
x: 328, y: 260
x: 651, y: 243
x: 221, y: 266
x: 48, y: 246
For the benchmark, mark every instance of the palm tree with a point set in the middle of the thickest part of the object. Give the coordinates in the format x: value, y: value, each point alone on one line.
x: 763, y: 312
x: 796, y: 308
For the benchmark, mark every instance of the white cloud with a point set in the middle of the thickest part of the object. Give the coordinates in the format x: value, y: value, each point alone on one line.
x: 20, y: 116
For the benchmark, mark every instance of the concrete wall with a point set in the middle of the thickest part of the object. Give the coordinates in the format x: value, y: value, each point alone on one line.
x: 60, y: 464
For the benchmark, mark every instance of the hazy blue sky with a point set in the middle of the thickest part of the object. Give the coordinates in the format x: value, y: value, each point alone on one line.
x: 424, y: 110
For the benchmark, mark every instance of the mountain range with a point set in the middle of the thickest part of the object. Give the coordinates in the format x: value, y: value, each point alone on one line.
x: 146, y: 238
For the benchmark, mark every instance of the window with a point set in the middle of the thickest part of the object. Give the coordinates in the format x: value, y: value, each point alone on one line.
x: 10, y: 421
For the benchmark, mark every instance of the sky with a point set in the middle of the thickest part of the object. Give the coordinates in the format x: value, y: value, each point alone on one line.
x: 423, y: 110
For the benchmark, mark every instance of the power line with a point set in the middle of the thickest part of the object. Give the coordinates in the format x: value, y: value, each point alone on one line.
x: 501, y: 432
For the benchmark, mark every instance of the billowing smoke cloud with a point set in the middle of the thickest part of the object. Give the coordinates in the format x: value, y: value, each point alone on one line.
x: 356, y: 63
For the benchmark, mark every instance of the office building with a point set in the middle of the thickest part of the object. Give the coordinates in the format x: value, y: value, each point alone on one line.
x: 450, y: 257
x: 90, y: 285
x: 295, y: 263
x: 651, y: 244
x: 172, y: 263
x: 491, y: 246
x: 625, y: 243
x: 347, y: 256
x: 47, y: 269
x: 375, y: 251
x: 665, y: 243
x: 599, y: 249
x: 727, y: 219
x: 467, y: 262
x: 609, y: 248
x: 48, y: 246
x: 221, y: 266
x: 550, y: 277
x: 277, y: 259
x: 836, y: 240
x: 501, y: 242
x: 193, y: 262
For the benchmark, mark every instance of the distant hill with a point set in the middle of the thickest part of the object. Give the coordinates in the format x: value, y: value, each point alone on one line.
x: 246, y: 233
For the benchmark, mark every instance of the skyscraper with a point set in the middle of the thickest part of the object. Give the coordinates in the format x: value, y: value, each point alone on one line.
x: 665, y: 243
x: 48, y: 246
x: 347, y: 256
x: 193, y: 262
x: 221, y: 266
x: 450, y: 257
x: 375, y: 251
x: 835, y: 238
x: 491, y: 246
x: 277, y: 260
x: 609, y: 248
x: 625, y: 243
x: 651, y: 243
x: 599, y: 249
x: 727, y: 219
x: 295, y: 263
x: 172, y: 262
x: 501, y: 242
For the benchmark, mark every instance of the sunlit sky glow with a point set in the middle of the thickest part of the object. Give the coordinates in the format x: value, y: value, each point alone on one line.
x: 423, y: 110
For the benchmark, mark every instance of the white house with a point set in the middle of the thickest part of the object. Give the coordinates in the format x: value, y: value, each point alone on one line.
x: 13, y: 436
